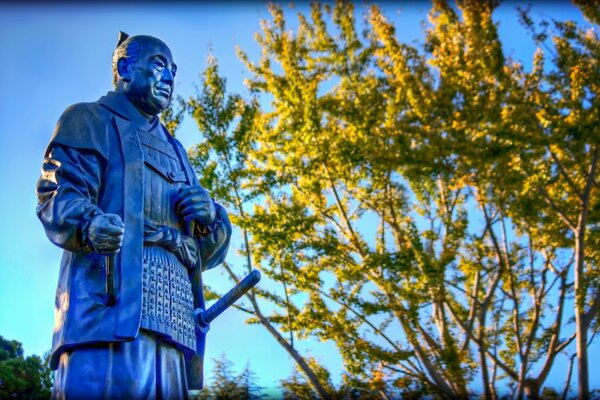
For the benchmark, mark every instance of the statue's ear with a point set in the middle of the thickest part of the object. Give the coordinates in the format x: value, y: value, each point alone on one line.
x: 124, y: 69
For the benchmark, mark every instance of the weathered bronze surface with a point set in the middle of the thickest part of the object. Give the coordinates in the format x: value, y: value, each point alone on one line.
x: 118, y: 194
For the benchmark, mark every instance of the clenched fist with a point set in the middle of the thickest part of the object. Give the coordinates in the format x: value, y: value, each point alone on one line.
x: 194, y: 204
x: 105, y: 234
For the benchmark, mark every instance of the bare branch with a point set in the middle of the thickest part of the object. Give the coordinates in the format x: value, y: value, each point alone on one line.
x: 515, y: 298
x: 401, y: 314
x: 556, y: 329
x: 565, y: 175
x: 568, y: 380
x: 557, y: 209
x: 418, y: 375
x: 302, y: 364
x: 567, y: 342
x: 353, y: 235
x: 494, y: 358
x: 243, y: 309
x: 472, y: 311
x: 287, y: 305
x: 591, y: 178
x: 361, y: 317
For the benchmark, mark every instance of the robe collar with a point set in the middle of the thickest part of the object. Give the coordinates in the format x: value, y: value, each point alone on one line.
x: 120, y: 105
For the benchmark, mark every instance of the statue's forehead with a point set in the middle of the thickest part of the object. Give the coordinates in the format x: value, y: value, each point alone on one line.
x: 156, y: 48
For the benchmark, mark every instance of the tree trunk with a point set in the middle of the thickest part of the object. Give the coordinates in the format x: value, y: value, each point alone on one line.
x: 308, y: 372
x: 531, y: 389
x: 580, y: 321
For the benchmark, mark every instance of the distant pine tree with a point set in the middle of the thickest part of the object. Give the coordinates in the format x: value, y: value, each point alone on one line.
x: 225, y: 385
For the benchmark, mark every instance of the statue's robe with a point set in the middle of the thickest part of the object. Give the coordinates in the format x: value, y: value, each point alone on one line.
x: 95, y: 164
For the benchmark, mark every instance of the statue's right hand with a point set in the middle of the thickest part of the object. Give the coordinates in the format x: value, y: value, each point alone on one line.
x: 105, y: 233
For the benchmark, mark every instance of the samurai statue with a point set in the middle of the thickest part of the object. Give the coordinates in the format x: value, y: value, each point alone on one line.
x: 119, y: 195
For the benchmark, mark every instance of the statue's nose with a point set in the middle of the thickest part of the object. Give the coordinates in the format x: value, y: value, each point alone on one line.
x: 167, y: 76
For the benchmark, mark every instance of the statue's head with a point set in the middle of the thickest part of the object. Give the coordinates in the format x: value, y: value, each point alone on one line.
x: 144, y: 71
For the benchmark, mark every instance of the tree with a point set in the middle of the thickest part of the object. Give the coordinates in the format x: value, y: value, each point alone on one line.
x: 566, y: 177
x: 430, y: 210
x: 226, y: 123
x: 295, y: 387
x: 22, y: 377
x: 225, y: 385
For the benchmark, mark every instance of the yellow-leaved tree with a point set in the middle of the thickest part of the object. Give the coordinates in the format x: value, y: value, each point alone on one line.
x: 431, y: 210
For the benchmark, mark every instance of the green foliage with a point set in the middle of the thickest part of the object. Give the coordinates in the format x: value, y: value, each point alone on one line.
x: 23, y: 377
x: 172, y: 116
x: 226, y: 385
x: 431, y: 210
x: 295, y: 387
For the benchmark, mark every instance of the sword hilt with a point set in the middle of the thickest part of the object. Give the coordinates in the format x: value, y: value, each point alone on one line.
x: 111, y: 296
x: 205, y: 317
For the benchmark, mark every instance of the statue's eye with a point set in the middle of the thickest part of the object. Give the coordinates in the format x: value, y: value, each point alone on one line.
x: 159, y: 65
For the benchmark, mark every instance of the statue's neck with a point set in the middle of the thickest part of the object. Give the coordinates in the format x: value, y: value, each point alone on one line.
x: 121, y: 90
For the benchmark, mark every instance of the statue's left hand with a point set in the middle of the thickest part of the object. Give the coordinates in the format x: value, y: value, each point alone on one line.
x: 194, y: 204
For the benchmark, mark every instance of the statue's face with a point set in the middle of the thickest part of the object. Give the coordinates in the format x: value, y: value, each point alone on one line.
x: 151, y: 78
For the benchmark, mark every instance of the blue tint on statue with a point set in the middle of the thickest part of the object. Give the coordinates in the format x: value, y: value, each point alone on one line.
x: 118, y: 194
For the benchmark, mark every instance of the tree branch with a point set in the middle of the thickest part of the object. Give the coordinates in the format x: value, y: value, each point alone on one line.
x: 554, y: 340
x: 557, y: 209
x: 496, y: 360
x: 565, y: 175
x: 302, y: 364
x: 353, y: 236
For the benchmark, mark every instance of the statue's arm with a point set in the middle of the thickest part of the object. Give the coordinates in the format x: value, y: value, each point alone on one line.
x: 67, y: 192
x: 69, y: 185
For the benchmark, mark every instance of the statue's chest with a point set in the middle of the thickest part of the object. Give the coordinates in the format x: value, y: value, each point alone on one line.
x: 163, y: 176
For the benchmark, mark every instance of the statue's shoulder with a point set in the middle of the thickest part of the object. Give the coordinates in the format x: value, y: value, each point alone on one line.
x: 83, y: 126
x: 84, y: 112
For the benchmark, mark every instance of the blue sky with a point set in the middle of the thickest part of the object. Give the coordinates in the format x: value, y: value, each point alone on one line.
x: 57, y: 55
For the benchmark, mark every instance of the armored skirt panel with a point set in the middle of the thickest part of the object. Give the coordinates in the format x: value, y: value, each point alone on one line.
x: 167, y: 300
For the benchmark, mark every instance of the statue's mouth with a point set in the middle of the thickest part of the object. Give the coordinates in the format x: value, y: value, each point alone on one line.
x: 164, y: 91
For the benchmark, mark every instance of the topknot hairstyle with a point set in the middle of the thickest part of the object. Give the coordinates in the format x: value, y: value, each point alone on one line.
x: 126, y: 48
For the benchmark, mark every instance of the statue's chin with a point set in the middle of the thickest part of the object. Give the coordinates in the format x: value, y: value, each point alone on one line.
x: 152, y: 106
x: 157, y: 104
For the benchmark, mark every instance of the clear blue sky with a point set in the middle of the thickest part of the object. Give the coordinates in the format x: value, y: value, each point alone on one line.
x: 57, y: 55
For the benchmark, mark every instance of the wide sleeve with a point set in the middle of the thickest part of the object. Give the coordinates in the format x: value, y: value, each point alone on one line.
x: 67, y: 196
x: 69, y: 185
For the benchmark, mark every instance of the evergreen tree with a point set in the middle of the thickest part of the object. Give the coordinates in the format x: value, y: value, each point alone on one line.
x: 23, y: 377
x: 226, y: 385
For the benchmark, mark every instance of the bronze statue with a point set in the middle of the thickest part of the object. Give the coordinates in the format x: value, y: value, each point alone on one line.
x: 118, y: 194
